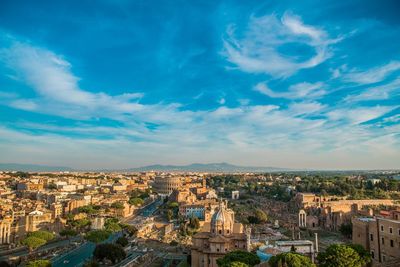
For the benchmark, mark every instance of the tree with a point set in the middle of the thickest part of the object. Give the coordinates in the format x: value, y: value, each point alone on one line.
x: 170, y: 214
x: 261, y: 216
x: 80, y: 224
x: 112, y: 252
x: 39, y: 263
x: 238, y: 256
x: 130, y: 229
x: 290, y: 259
x: 68, y: 232
x: 117, y: 205
x: 89, y: 209
x: 112, y: 225
x: 33, y: 242
x: 339, y: 256
x: 194, y: 223
x: 136, y: 201
x: 365, y: 256
x: 173, y: 205
x: 238, y: 264
x: 97, y: 236
x: 122, y: 241
x: 47, y: 236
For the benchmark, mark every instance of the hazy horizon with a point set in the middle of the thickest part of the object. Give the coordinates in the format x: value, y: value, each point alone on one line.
x: 123, y: 84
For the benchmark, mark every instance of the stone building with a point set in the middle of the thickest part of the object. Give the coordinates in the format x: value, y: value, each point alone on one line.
x: 330, y: 212
x: 379, y: 235
x: 219, y: 237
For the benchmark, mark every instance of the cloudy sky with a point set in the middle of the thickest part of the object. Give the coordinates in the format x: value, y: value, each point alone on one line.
x: 115, y: 84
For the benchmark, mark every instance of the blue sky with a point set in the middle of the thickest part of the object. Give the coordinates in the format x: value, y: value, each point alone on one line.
x: 116, y: 84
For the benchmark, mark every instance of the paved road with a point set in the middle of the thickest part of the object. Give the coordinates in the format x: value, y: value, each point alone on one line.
x: 78, y: 256
x: 25, y: 251
x: 131, y: 257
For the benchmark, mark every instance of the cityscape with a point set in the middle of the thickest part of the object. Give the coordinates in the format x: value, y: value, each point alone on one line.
x: 199, y: 133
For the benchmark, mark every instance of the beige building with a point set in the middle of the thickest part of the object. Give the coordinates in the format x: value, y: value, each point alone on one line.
x: 379, y: 235
x: 38, y: 220
x: 219, y: 237
x: 330, y: 212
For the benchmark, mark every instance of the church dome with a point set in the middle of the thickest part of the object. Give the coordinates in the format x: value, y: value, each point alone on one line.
x: 222, y: 220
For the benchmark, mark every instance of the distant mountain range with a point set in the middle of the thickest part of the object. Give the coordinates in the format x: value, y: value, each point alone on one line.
x: 209, y: 167
x: 32, y: 167
x: 195, y: 167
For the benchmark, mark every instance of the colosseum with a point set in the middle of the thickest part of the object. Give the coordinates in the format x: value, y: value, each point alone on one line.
x: 164, y: 185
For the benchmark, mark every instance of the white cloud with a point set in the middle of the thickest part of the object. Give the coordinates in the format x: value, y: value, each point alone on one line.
x: 50, y: 76
x: 357, y: 115
x: 297, y: 91
x: 260, y: 134
x: 372, y: 75
x: 381, y: 92
x: 258, y: 52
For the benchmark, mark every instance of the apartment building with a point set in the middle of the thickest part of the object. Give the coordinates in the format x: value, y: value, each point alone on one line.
x: 379, y: 235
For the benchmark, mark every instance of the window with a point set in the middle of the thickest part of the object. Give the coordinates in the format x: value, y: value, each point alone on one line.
x: 217, y: 249
x: 371, y: 237
x: 220, y: 231
x: 382, y: 228
x: 383, y: 241
x: 391, y: 243
x: 228, y: 231
x: 399, y: 231
x: 390, y: 230
x: 372, y: 254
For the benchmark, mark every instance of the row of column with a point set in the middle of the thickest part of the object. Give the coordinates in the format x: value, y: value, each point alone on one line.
x: 5, y: 232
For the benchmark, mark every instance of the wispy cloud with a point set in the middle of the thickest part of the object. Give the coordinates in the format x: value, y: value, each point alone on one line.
x: 382, y: 92
x: 297, y: 91
x: 257, y: 51
x: 373, y: 75
x: 50, y: 76
x: 293, y: 132
x: 357, y: 115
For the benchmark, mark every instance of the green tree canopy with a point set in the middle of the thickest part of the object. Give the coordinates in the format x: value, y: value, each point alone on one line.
x: 68, y: 232
x: 290, y: 259
x: 238, y: 264
x: 173, y: 205
x: 194, y: 223
x: 112, y: 225
x: 122, y: 241
x: 97, y: 236
x: 33, y: 242
x: 117, y: 205
x: 112, y: 252
x: 339, y: 256
x: 47, y: 236
x: 130, y: 229
x: 89, y: 209
x: 136, y: 201
x: 38, y: 263
x: 365, y: 256
x: 245, y: 257
x: 261, y: 216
